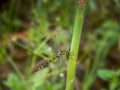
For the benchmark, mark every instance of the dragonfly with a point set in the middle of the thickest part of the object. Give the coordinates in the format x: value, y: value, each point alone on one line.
x: 61, y: 53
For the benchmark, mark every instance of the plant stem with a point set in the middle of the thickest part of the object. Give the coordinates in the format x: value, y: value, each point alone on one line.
x: 38, y: 49
x: 79, y: 19
x: 15, y: 67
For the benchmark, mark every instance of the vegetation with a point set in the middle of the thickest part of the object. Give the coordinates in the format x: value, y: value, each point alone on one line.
x: 39, y: 33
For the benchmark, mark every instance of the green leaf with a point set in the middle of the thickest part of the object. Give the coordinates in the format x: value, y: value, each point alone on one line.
x: 14, y: 82
x: 105, y: 75
x: 38, y: 78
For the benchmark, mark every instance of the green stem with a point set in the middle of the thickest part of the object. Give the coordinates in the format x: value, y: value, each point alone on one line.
x: 31, y: 51
x: 38, y: 49
x: 15, y: 67
x: 79, y: 19
x: 11, y: 8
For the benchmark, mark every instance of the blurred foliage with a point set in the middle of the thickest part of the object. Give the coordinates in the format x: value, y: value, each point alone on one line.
x: 111, y: 76
x: 13, y: 81
x: 50, y: 28
x: 54, y: 13
x: 104, y: 38
x: 37, y: 81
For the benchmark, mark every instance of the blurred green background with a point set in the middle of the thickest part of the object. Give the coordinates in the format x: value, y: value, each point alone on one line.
x: 33, y: 31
